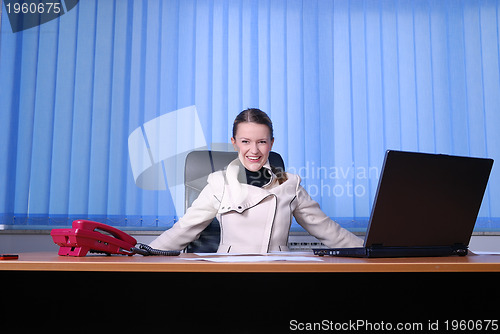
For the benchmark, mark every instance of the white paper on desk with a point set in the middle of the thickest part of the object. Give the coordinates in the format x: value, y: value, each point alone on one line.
x: 241, y: 259
x: 229, y: 254
x: 255, y: 254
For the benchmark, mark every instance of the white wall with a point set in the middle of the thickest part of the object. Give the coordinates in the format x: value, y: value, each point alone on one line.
x: 40, y: 241
x: 485, y: 243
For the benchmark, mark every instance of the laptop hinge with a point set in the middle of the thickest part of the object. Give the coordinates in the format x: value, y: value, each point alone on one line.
x: 460, y: 249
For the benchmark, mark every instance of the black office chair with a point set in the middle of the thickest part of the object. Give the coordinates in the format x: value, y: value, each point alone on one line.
x: 199, y: 164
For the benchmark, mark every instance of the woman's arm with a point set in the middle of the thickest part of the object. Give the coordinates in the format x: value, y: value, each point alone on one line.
x: 310, y: 216
x: 197, y: 217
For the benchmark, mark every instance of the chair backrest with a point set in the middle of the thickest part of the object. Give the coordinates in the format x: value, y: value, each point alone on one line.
x: 199, y: 164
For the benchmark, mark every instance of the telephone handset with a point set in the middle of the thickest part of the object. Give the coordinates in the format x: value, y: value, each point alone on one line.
x: 86, y: 235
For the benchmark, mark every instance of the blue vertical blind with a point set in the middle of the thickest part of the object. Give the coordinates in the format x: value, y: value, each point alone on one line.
x: 342, y: 81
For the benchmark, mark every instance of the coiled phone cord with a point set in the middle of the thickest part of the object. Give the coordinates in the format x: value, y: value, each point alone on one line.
x: 147, y: 250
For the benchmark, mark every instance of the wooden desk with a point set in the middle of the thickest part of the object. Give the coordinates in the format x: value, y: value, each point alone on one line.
x: 137, y: 263
x: 258, y: 297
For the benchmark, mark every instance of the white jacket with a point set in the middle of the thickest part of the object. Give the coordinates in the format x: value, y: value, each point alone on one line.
x: 252, y: 219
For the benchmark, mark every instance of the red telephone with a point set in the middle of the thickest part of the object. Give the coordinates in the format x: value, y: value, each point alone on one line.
x: 85, y: 237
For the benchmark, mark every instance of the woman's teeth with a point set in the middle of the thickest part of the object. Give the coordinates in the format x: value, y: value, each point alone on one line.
x: 254, y: 158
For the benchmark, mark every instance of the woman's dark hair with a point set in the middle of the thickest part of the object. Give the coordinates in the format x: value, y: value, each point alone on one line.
x: 254, y: 115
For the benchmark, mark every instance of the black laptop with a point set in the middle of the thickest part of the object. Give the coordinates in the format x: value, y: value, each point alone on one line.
x: 426, y: 205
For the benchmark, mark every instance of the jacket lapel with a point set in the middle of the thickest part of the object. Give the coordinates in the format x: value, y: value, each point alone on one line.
x: 239, y: 196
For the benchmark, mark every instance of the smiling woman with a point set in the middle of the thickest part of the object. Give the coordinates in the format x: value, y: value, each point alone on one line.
x: 253, y: 139
x: 254, y: 211
x: 253, y: 143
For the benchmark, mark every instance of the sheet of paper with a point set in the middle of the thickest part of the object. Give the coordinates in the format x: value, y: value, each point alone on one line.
x: 251, y: 258
x: 230, y: 254
x: 256, y: 254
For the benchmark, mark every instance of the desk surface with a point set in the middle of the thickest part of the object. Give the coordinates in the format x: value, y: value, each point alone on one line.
x: 53, y: 262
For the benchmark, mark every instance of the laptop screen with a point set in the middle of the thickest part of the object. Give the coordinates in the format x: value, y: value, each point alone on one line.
x: 427, y: 199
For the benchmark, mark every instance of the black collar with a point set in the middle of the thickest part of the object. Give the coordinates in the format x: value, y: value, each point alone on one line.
x: 259, y: 178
